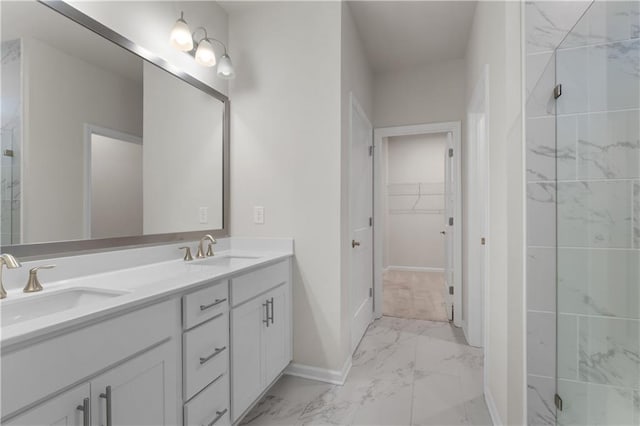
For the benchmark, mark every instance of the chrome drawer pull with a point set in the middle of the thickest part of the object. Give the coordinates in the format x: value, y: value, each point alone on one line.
x: 215, y: 302
x: 216, y: 352
x: 86, y: 413
x: 219, y: 415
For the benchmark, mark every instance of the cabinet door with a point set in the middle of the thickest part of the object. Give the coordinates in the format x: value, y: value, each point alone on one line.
x: 63, y: 409
x: 276, y: 335
x: 142, y: 391
x: 247, y: 322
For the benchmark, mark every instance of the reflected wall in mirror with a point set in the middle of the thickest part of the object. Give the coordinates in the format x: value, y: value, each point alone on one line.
x: 97, y: 142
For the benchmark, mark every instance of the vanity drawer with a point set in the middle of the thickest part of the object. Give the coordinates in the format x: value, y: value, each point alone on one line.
x: 206, y: 354
x: 249, y: 285
x: 211, y: 404
x: 204, y: 304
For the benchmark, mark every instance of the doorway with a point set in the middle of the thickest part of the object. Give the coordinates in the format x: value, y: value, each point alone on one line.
x: 113, y: 201
x: 417, y: 247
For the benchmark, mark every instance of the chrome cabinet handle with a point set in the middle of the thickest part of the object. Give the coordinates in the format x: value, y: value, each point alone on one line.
x: 107, y: 395
x: 211, y: 305
x: 86, y: 412
x: 266, y: 313
x: 219, y: 415
x: 270, y: 302
x: 216, y: 352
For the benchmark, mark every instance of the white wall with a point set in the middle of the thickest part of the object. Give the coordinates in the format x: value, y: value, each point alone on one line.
x: 357, y: 79
x: 60, y: 97
x: 148, y: 24
x: 428, y: 94
x: 116, y: 198
x: 495, y: 40
x: 414, y: 239
x: 285, y: 155
x: 182, y: 155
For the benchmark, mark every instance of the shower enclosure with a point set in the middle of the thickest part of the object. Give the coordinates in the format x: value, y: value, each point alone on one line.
x: 598, y: 218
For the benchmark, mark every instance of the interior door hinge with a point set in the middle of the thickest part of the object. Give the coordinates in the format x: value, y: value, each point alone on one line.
x: 450, y: 221
x: 451, y: 290
x: 450, y: 152
x: 370, y: 221
x: 557, y: 91
x: 452, y: 314
x: 370, y: 291
x: 558, y: 401
x: 370, y: 150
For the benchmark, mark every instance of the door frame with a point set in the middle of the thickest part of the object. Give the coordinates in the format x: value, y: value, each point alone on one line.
x: 89, y: 130
x: 474, y: 327
x: 455, y: 128
x: 354, y: 106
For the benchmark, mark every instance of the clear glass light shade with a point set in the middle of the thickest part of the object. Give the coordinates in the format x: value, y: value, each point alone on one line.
x: 205, y: 55
x: 181, y: 36
x: 225, y: 67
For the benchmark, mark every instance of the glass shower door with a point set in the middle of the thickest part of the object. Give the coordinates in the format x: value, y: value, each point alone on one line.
x: 598, y: 218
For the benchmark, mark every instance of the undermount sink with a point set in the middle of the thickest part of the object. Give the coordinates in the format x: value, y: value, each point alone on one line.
x: 39, y: 305
x: 225, y: 260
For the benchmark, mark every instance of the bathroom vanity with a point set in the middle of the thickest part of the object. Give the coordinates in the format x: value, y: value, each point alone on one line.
x: 169, y: 342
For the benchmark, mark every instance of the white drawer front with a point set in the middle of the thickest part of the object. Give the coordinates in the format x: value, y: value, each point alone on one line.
x: 249, y: 285
x: 206, y: 354
x: 211, y: 406
x: 205, y: 304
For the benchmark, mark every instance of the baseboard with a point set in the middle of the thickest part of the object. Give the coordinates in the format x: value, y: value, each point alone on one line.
x: 491, y: 405
x: 414, y: 268
x: 334, y: 377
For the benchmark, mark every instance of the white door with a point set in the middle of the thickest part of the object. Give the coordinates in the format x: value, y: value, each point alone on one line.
x: 360, y: 223
x: 66, y: 409
x: 138, y: 392
x: 449, y: 229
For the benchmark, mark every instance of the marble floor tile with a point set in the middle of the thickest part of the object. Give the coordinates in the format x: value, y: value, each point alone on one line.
x: 395, y: 381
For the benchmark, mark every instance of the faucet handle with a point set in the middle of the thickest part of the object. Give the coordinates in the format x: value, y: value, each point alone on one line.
x: 210, y: 250
x: 187, y: 254
x: 33, y: 284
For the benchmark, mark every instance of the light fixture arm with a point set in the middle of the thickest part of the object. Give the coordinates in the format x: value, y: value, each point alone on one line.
x: 207, y: 38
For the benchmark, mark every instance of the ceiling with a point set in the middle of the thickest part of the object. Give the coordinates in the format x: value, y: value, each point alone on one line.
x: 403, y: 34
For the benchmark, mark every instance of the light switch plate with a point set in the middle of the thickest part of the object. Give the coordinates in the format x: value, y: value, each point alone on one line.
x: 258, y: 215
x: 204, y: 215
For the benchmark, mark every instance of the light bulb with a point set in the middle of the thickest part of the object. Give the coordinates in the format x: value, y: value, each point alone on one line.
x: 205, y: 55
x: 181, y: 36
x: 225, y: 67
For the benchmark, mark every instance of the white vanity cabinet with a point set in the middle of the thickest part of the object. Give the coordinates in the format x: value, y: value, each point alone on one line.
x: 127, y: 367
x: 260, y: 332
x: 205, y: 355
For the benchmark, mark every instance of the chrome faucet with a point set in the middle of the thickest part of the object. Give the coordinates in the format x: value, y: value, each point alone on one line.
x: 200, y: 254
x: 11, y: 263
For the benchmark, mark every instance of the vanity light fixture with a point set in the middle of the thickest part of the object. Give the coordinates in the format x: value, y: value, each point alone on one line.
x: 201, y: 49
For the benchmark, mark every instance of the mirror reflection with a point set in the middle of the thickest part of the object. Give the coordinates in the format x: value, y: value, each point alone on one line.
x: 96, y: 141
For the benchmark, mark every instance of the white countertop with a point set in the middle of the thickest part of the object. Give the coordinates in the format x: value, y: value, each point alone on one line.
x: 143, y: 285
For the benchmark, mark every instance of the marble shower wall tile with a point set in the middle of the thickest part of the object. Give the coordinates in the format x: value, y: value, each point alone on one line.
x: 614, y: 76
x: 594, y: 214
x: 605, y: 21
x: 541, y: 410
x: 567, y: 342
x: 537, y: 64
x: 541, y: 214
x: 551, y: 148
x: 589, y: 404
x: 599, y: 282
x: 609, y: 145
x: 540, y: 101
x: 609, y: 351
x: 541, y: 343
x: 548, y: 22
x: 541, y: 279
x: 572, y: 72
